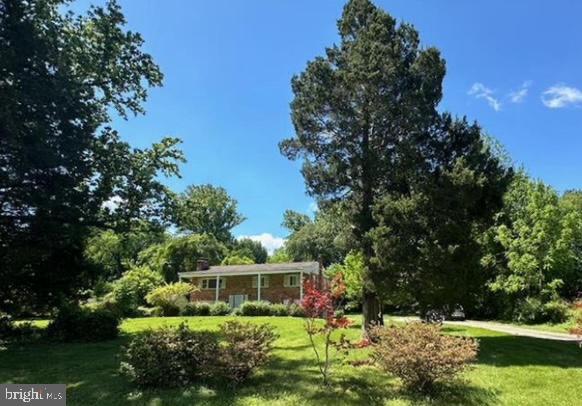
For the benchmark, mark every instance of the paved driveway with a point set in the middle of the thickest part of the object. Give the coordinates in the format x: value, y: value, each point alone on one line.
x: 505, y: 328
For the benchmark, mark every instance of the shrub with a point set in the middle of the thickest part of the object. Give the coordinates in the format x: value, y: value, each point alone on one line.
x: 169, y: 357
x: 10, y: 331
x: 556, y: 311
x: 172, y: 298
x: 255, y: 309
x: 74, y: 323
x: 529, y: 311
x: 130, y: 290
x: 219, y: 309
x: 532, y: 310
x: 196, y: 309
x: 420, y: 355
x: 280, y: 310
x: 245, y: 347
x: 296, y: 310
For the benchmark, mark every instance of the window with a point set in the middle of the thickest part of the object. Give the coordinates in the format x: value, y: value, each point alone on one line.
x: 292, y: 281
x: 264, y: 281
x: 210, y: 283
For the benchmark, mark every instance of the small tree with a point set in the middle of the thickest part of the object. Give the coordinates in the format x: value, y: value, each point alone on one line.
x: 324, y: 304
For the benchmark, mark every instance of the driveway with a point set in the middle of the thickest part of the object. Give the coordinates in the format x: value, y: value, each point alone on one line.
x: 505, y: 328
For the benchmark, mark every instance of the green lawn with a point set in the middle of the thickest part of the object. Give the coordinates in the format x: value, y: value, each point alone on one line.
x: 510, y: 371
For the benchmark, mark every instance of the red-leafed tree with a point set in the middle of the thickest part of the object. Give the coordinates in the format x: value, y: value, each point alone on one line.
x: 323, y: 303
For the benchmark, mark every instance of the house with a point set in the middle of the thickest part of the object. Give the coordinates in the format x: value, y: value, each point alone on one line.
x: 235, y: 284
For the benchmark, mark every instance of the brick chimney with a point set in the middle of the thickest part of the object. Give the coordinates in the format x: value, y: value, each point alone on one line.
x: 202, y: 264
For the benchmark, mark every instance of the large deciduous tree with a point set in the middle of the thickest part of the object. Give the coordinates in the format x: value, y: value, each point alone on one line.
x: 360, y: 114
x: 207, y: 209
x: 61, y: 76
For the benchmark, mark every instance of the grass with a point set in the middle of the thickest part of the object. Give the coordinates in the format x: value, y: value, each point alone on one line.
x: 510, y: 371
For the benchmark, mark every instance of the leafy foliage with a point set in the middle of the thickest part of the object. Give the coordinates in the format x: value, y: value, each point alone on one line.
x: 421, y: 355
x: 245, y: 348
x: 171, y: 298
x: 219, y: 309
x: 280, y: 256
x: 62, y: 165
x: 169, y: 357
x: 324, y: 303
x: 245, y: 247
x: 534, y: 248
x: 251, y: 308
x: 131, y: 289
x: 207, y: 209
x: 196, y: 309
x: 367, y: 129
x: 323, y: 239
x: 237, y: 260
x: 353, y: 271
x: 180, y: 254
x: 114, y: 252
x: 74, y: 323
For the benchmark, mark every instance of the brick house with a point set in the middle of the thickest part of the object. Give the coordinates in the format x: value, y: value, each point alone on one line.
x: 235, y: 284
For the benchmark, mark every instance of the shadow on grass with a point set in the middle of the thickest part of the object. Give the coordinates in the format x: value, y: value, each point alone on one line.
x: 508, y: 351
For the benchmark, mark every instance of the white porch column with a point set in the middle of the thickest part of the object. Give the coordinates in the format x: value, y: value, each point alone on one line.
x: 217, y: 288
x: 301, y: 285
x: 258, y: 286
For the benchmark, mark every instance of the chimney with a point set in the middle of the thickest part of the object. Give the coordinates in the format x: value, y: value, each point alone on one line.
x: 202, y: 264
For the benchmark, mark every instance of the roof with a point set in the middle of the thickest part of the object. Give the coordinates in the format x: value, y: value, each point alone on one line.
x: 233, y: 270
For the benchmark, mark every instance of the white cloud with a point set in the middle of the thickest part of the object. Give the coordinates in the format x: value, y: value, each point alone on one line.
x: 560, y: 95
x: 480, y: 91
x: 519, y: 95
x: 269, y: 241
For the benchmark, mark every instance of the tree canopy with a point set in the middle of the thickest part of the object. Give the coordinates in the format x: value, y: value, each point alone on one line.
x: 368, y: 129
x: 207, y: 209
x: 61, y: 164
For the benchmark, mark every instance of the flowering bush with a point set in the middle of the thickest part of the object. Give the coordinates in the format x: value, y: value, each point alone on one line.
x: 420, y: 354
x: 320, y: 304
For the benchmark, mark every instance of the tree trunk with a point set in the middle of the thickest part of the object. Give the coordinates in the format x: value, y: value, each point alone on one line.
x: 371, y: 311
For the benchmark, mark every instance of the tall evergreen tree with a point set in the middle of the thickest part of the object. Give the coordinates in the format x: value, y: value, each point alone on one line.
x: 360, y: 114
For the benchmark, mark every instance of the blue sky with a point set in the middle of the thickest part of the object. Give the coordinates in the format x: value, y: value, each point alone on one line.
x: 514, y: 66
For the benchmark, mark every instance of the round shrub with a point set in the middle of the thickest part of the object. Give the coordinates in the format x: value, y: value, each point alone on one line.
x: 556, y: 311
x: 529, y: 311
x: 74, y: 323
x: 280, y: 310
x: 219, y: 309
x: 245, y: 348
x: 196, y: 309
x: 420, y: 355
x: 170, y: 357
x: 255, y: 309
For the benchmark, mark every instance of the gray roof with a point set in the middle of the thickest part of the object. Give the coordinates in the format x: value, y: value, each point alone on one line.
x: 231, y: 270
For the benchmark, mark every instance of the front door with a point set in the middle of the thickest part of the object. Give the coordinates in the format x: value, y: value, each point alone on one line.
x: 236, y: 300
